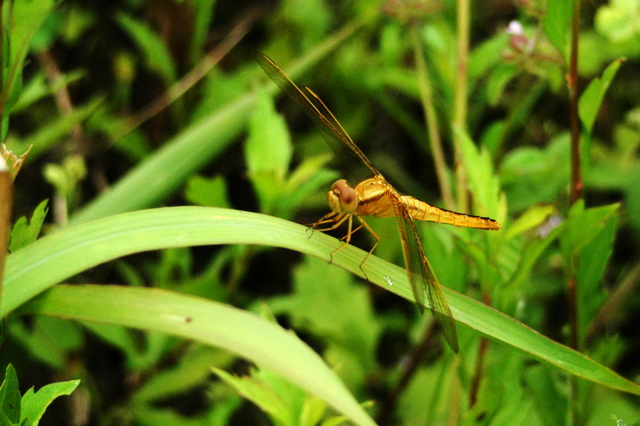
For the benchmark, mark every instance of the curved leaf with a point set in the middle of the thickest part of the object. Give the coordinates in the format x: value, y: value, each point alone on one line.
x: 56, y: 257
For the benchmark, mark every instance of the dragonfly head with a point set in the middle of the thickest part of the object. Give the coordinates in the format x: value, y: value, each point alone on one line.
x: 342, y: 198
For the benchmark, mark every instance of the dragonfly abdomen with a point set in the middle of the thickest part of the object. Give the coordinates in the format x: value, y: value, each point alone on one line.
x: 420, y: 210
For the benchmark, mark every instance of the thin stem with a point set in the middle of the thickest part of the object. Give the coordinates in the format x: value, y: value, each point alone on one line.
x: 482, y: 354
x: 431, y: 118
x: 576, y: 178
x: 576, y: 194
x: 210, y: 60
x: 65, y: 106
x: 460, y: 101
x: 609, y: 313
x: 412, y: 365
x: 6, y: 201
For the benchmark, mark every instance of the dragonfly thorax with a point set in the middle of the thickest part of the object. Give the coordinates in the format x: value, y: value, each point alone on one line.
x: 342, y: 197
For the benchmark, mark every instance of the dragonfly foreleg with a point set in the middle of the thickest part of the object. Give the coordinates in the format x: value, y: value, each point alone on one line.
x: 327, y: 218
x: 335, y: 218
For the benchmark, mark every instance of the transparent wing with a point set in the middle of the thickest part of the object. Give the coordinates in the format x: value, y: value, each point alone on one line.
x: 332, y: 131
x: 423, y: 279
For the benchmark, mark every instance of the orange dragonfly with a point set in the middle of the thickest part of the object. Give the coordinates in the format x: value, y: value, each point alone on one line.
x: 376, y: 197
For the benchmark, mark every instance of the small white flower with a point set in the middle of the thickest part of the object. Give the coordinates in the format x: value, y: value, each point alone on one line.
x: 514, y: 28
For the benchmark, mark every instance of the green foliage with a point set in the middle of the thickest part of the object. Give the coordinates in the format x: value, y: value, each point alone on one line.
x: 557, y: 24
x: 202, y: 191
x: 24, y: 232
x: 28, y: 408
x: 618, y: 20
x: 121, y: 118
x: 154, y: 51
x: 284, y: 403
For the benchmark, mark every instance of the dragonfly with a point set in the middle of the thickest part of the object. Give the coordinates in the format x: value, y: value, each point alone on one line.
x: 376, y: 197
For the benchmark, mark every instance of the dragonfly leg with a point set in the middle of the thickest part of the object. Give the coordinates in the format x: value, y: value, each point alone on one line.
x: 375, y: 236
x: 331, y: 217
x: 327, y: 218
x: 346, y: 238
x: 352, y: 232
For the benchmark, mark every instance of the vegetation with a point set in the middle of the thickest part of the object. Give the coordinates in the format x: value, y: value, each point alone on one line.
x: 158, y: 253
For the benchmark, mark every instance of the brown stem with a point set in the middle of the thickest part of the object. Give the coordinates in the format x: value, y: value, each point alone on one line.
x: 572, y: 80
x: 463, y: 22
x: 482, y: 353
x: 431, y: 118
x: 415, y: 358
x: 62, y: 97
x: 576, y: 194
x: 210, y: 60
x: 6, y: 202
x: 610, y: 312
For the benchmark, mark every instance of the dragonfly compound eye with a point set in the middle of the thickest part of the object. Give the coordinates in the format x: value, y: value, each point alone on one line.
x: 342, y: 197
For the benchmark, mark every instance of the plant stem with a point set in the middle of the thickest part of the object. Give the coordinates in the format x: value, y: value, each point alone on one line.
x: 576, y: 194
x: 576, y: 178
x: 411, y: 367
x: 460, y: 102
x: 210, y: 60
x: 431, y: 118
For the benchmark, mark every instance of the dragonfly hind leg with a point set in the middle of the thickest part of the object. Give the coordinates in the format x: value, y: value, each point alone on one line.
x: 347, y: 239
x: 375, y: 236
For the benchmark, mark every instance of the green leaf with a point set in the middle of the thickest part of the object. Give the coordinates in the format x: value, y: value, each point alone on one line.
x: 154, y: 51
x: 632, y: 197
x: 268, y: 148
x: 314, y: 305
x: 503, y: 399
x: 550, y: 400
x: 582, y: 226
x: 527, y: 258
x: 188, y: 317
x: 268, y: 152
x: 38, y: 88
x: 486, y: 55
x: 592, y: 264
x: 278, y: 398
x: 591, y: 98
x: 208, y: 192
x: 328, y: 303
x: 530, y: 175
x: 557, y: 23
x: 202, y: 17
x: 75, y: 249
x: 483, y: 184
x: 24, y: 232
x: 10, y: 397
x: 49, y: 340
x: 34, y: 404
x: 309, y: 179
x: 168, y: 167
x: 23, y: 23
x: 498, y: 81
x: 618, y: 20
x: 53, y: 132
x: 193, y: 369
x: 531, y: 218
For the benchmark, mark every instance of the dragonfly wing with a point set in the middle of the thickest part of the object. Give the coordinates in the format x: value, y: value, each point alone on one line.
x: 344, y: 146
x: 423, y: 279
x: 325, y: 121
